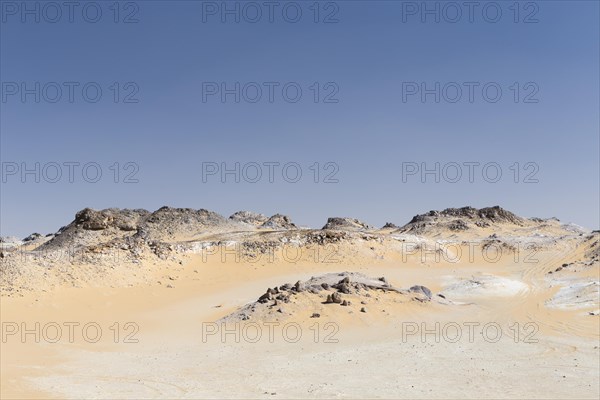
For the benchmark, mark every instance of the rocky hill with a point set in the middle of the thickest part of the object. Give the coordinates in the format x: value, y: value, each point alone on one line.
x: 97, y: 242
x: 466, y: 218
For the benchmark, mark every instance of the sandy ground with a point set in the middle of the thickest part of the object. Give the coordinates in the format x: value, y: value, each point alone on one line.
x: 512, y: 344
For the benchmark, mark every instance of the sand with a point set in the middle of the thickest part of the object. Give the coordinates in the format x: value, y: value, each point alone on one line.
x: 522, y: 325
x: 360, y: 355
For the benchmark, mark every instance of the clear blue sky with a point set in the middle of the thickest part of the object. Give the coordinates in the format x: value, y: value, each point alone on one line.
x: 174, y: 52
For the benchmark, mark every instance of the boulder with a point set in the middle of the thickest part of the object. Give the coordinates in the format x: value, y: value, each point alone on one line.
x: 265, y: 297
x: 422, y: 290
x: 299, y: 287
x: 336, y: 298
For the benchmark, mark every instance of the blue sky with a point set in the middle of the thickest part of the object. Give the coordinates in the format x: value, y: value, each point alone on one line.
x: 165, y: 124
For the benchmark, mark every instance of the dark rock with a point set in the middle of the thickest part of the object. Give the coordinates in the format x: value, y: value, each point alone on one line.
x: 265, y: 297
x: 458, y: 225
x: 299, y: 287
x: 421, y: 289
x: 333, y: 298
x: 344, y: 288
x: 32, y: 237
x: 92, y: 219
x: 336, y: 298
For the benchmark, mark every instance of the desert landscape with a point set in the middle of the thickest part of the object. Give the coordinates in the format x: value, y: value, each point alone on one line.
x: 186, y: 303
x: 299, y: 199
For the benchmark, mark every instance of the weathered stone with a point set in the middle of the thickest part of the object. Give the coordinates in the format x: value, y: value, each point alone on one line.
x: 421, y: 289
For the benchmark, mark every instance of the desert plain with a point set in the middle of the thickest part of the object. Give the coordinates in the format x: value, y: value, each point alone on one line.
x: 186, y: 303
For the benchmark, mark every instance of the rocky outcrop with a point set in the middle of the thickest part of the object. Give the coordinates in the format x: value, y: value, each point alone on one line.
x: 171, y: 220
x: 343, y: 289
x: 347, y: 224
x: 249, y: 217
x: 492, y: 214
x: 461, y: 219
x: 279, y: 222
x: 126, y: 220
x: 33, y: 237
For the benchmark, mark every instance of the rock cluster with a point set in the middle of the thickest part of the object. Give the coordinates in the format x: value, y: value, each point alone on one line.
x: 325, y: 237
x: 351, y: 284
x: 458, y: 225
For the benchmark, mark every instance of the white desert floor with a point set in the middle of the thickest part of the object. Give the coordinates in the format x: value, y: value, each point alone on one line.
x: 378, y: 354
